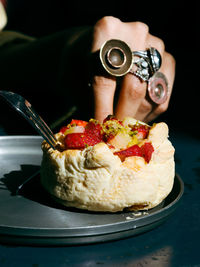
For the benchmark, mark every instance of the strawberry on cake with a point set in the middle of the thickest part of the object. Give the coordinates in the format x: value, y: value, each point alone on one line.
x: 109, y: 166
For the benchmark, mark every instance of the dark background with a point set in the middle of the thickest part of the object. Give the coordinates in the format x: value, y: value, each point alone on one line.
x: 173, y: 21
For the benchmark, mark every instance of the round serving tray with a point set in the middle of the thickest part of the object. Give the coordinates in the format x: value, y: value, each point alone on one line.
x: 33, y: 218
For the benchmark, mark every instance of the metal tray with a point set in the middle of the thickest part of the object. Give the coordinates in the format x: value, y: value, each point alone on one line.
x: 33, y: 218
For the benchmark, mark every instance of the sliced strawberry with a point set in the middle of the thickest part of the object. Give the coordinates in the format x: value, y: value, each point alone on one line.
x: 134, y: 150
x: 142, y: 131
x: 74, y: 140
x: 147, y: 150
x: 63, y: 129
x: 80, y: 140
x: 92, y: 140
x: 144, y: 151
x: 94, y: 128
x: 78, y: 123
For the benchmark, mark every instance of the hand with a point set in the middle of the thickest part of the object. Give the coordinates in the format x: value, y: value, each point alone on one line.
x: 132, y: 99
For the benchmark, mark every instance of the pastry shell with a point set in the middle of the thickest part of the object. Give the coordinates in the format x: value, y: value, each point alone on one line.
x: 95, y: 179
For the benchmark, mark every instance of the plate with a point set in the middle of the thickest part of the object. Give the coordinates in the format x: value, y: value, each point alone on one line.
x: 33, y: 218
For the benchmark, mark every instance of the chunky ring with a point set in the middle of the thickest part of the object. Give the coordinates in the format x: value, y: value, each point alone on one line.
x: 118, y: 59
x: 147, y: 63
x: 158, y: 88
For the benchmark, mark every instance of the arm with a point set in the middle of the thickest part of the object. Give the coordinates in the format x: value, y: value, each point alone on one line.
x: 55, y: 69
x: 43, y: 69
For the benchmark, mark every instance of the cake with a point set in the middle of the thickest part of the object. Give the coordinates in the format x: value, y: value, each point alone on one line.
x: 110, y: 166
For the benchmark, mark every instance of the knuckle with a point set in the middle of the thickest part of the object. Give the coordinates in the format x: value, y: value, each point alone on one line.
x: 170, y: 59
x: 110, y: 19
x: 107, y: 24
x: 145, y: 107
x: 141, y: 27
x: 161, y: 109
x: 102, y: 82
x: 160, y: 45
x: 157, y: 43
x: 137, y: 90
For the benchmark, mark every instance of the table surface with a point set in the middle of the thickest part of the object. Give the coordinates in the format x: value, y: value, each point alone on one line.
x: 173, y: 243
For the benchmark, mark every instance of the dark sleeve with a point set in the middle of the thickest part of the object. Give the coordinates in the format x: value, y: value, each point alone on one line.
x: 51, y: 72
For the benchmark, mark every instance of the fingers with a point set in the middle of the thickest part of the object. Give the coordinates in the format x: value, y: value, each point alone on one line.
x: 103, y: 86
x: 105, y: 29
x: 104, y: 90
x: 132, y: 100
x: 133, y: 90
x: 156, y: 42
x: 132, y: 93
x: 168, y: 68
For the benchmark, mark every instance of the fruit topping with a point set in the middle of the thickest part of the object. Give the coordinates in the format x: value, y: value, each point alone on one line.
x: 91, y: 136
x: 63, y: 129
x: 123, y: 138
x: 94, y: 128
x: 75, y: 126
x: 112, y: 118
x: 80, y: 140
x: 134, y: 150
x: 147, y: 150
x: 78, y: 123
x: 111, y: 128
x: 120, y: 141
x: 141, y: 131
x: 144, y: 151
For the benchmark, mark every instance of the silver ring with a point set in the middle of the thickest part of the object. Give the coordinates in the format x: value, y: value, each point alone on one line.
x: 118, y: 59
x: 146, y: 63
x: 158, y: 88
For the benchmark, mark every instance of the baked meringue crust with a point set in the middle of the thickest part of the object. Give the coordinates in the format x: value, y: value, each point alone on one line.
x: 95, y: 179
